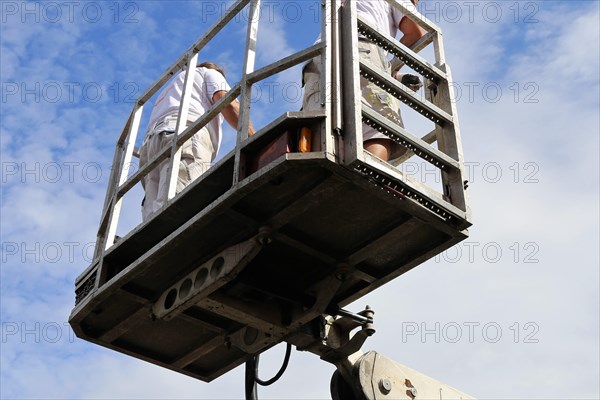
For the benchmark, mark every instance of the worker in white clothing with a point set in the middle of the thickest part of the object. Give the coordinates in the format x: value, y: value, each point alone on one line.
x: 389, y: 20
x: 197, y: 153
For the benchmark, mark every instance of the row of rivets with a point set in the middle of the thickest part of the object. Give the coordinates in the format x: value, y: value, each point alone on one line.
x: 404, y: 143
x: 366, y: 171
x: 412, y: 105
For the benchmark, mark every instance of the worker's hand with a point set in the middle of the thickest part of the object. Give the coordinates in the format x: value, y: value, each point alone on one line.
x: 251, y: 131
x: 412, y: 81
x: 415, y: 2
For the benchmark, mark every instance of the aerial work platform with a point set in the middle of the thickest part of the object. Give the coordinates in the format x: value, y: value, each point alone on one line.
x: 271, y: 238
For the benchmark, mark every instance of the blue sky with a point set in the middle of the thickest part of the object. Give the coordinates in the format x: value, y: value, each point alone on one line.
x: 512, y: 312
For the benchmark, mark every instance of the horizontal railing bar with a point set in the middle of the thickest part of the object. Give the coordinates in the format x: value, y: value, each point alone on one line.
x: 429, y: 138
x: 406, y: 95
x: 403, y: 53
x: 195, y: 48
x: 286, y: 63
x: 416, y: 48
x: 373, y: 168
x: 418, y: 146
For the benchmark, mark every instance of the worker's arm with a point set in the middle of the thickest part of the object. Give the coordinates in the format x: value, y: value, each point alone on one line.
x: 411, y: 34
x: 232, y: 112
x: 411, y: 31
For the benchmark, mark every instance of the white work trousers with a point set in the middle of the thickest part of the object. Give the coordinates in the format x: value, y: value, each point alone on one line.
x: 196, y: 158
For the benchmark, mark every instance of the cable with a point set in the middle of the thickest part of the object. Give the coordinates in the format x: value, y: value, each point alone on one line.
x: 250, y: 379
x: 286, y: 360
x: 251, y: 375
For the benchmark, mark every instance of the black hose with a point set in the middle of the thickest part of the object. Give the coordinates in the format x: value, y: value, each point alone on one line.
x: 250, y: 379
x: 286, y: 360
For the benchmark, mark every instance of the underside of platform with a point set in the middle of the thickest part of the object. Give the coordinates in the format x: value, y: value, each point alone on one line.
x: 226, y: 272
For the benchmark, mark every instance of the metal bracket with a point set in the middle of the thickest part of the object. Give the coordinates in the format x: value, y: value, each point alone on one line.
x: 338, y: 330
x: 206, y: 278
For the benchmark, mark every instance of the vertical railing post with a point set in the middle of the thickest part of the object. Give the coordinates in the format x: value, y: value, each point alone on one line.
x: 448, y: 136
x: 184, y: 107
x: 438, y: 49
x: 353, y: 146
x: 326, y: 90
x: 108, y: 199
x: 336, y: 81
x: 239, y: 170
x: 449, y: 142
x: 117, y: 199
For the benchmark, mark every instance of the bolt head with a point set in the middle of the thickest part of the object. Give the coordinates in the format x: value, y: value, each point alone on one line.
x: 385, y: 385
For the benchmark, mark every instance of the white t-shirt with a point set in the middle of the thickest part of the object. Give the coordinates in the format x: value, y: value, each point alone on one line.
x: 206, y: 82
x: 378, y: 13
